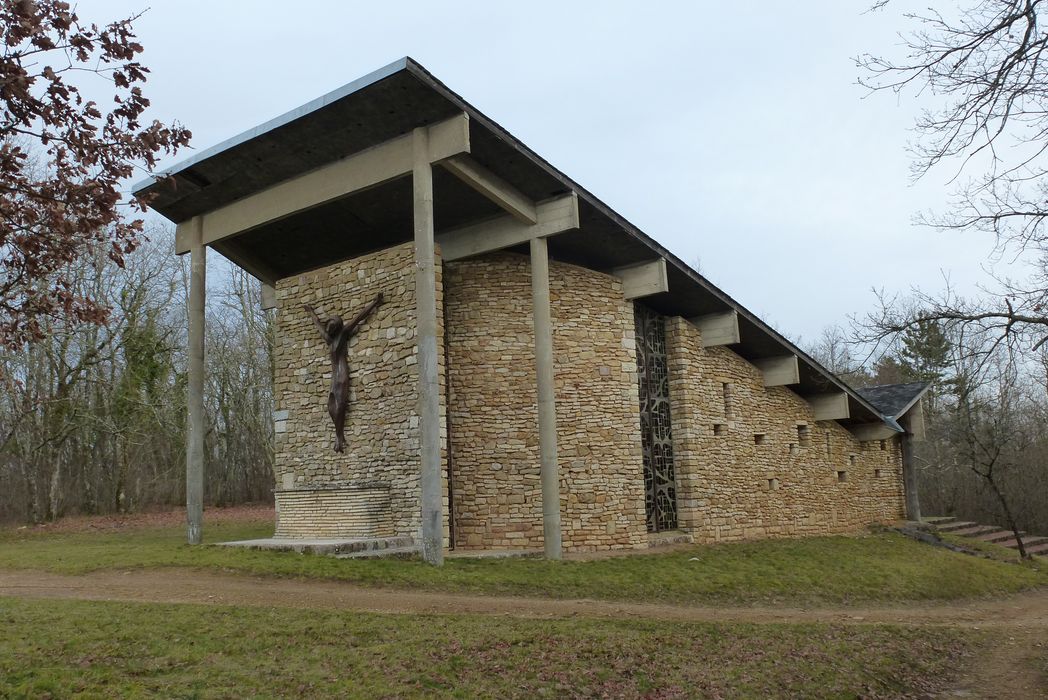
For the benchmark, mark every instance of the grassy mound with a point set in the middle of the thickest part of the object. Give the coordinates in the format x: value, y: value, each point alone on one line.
x: 830, y: 570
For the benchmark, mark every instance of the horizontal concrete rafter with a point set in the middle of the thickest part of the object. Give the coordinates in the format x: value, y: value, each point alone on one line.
x: 552, y: 217
x: 487, y: 183
x: 871, y: 432
x: 779, y: 371
x: 832, y: 406
x: 718, y: 329
x: 643, y: 279
x: 386, y: 161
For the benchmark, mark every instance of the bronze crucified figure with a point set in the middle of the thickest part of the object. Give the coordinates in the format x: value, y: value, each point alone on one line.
x: 336, y: 335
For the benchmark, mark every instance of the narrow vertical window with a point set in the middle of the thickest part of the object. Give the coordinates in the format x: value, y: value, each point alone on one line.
x: 729, y: 413
x: 803, y: 435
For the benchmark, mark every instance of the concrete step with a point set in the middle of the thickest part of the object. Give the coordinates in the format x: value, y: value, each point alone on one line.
x: 939, y: 519
x: 997, y: 535
x: 1040, y: 549
x: 325, y: 545
x: 975, y: 531
x: 955, y: 525
x: 388, y: 553
x: 1028, y: 542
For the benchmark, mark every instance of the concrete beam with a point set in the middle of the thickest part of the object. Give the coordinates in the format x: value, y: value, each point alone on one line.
x: 871, y: 432
x: 386, y: 161
x: 269, y: 296
x: 909, y: 479
x: 913, y: 421
x: 493, y: 187
x: 779, y: 371
x: 547, y: 407
x: 195, y: 422
x: 829, y: 406
x: 430, y: 477
x: 260, y: 271
x: 643, y: 279
x: 718, y: 329
x: 552, y: 217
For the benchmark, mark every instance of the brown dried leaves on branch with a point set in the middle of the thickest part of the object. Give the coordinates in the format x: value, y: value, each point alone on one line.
x: 63, y: 158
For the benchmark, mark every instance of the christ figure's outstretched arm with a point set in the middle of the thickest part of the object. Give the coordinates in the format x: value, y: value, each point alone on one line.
x: 351, y: 327
x: 316, y: 320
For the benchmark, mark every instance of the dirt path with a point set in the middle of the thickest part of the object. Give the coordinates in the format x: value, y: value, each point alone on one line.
x: 1005, y: 670
x: 1027, y: 611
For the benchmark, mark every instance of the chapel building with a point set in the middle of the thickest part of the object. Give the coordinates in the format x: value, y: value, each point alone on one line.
x: 540, y: 374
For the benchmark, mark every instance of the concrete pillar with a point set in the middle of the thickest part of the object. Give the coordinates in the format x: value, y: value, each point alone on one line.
x: 430, y: 481
x: 195, y: 401
x: 909, y: 477
x: 547, y: 405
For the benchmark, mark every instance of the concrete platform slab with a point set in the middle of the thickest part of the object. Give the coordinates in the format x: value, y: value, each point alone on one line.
x: 492, y: 553
x: 324, y: 546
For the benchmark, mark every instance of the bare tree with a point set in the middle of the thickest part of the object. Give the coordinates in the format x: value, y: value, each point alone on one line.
x: 92, y: 417
x: 984, y: 69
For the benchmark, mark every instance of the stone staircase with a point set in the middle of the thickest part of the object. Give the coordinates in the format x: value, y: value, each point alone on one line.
x: 989, y: 533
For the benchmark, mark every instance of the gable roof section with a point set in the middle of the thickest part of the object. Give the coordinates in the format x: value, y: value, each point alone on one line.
x: 894, y: 400
x: 391, y: 102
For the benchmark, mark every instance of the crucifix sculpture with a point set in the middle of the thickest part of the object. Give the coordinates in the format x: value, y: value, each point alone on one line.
x: 336, y: 335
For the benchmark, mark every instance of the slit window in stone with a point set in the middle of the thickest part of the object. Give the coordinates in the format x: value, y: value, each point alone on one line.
x: 803, y: 435
x: 728, y: 410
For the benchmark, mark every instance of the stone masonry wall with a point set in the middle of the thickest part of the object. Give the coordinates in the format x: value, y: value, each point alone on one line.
x: 493, y: 422
x: 752, y: 462
x: 382, y: 426
x: 336, y: 513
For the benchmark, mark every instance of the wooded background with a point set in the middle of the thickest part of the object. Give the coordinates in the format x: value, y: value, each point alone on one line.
x: 92, y: 418
x: 92, y: 325
x: 986, y: 414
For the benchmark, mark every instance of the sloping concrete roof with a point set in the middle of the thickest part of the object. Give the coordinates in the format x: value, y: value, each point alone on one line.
x: 391, y: 102
x: 894, y: 400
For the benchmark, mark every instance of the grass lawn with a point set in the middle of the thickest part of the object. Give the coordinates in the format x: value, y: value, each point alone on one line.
x: 88, y: 649
x: 878, y: 567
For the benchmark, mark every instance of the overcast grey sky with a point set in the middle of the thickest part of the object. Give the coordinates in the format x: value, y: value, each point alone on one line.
x: 733, y: 133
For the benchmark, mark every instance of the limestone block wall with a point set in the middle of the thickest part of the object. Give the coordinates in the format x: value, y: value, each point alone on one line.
x: 492, y: 407
x: 361, y: 510
x: 382, y: 427
x: 753, y: 462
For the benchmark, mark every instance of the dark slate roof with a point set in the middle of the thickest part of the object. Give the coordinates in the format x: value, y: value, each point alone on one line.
x: 894, y: 399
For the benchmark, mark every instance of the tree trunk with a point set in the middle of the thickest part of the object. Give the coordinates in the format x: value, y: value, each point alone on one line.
x: 1012, y: 525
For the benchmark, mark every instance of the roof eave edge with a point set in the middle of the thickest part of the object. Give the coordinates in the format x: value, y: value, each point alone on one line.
x: 276, y: 122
